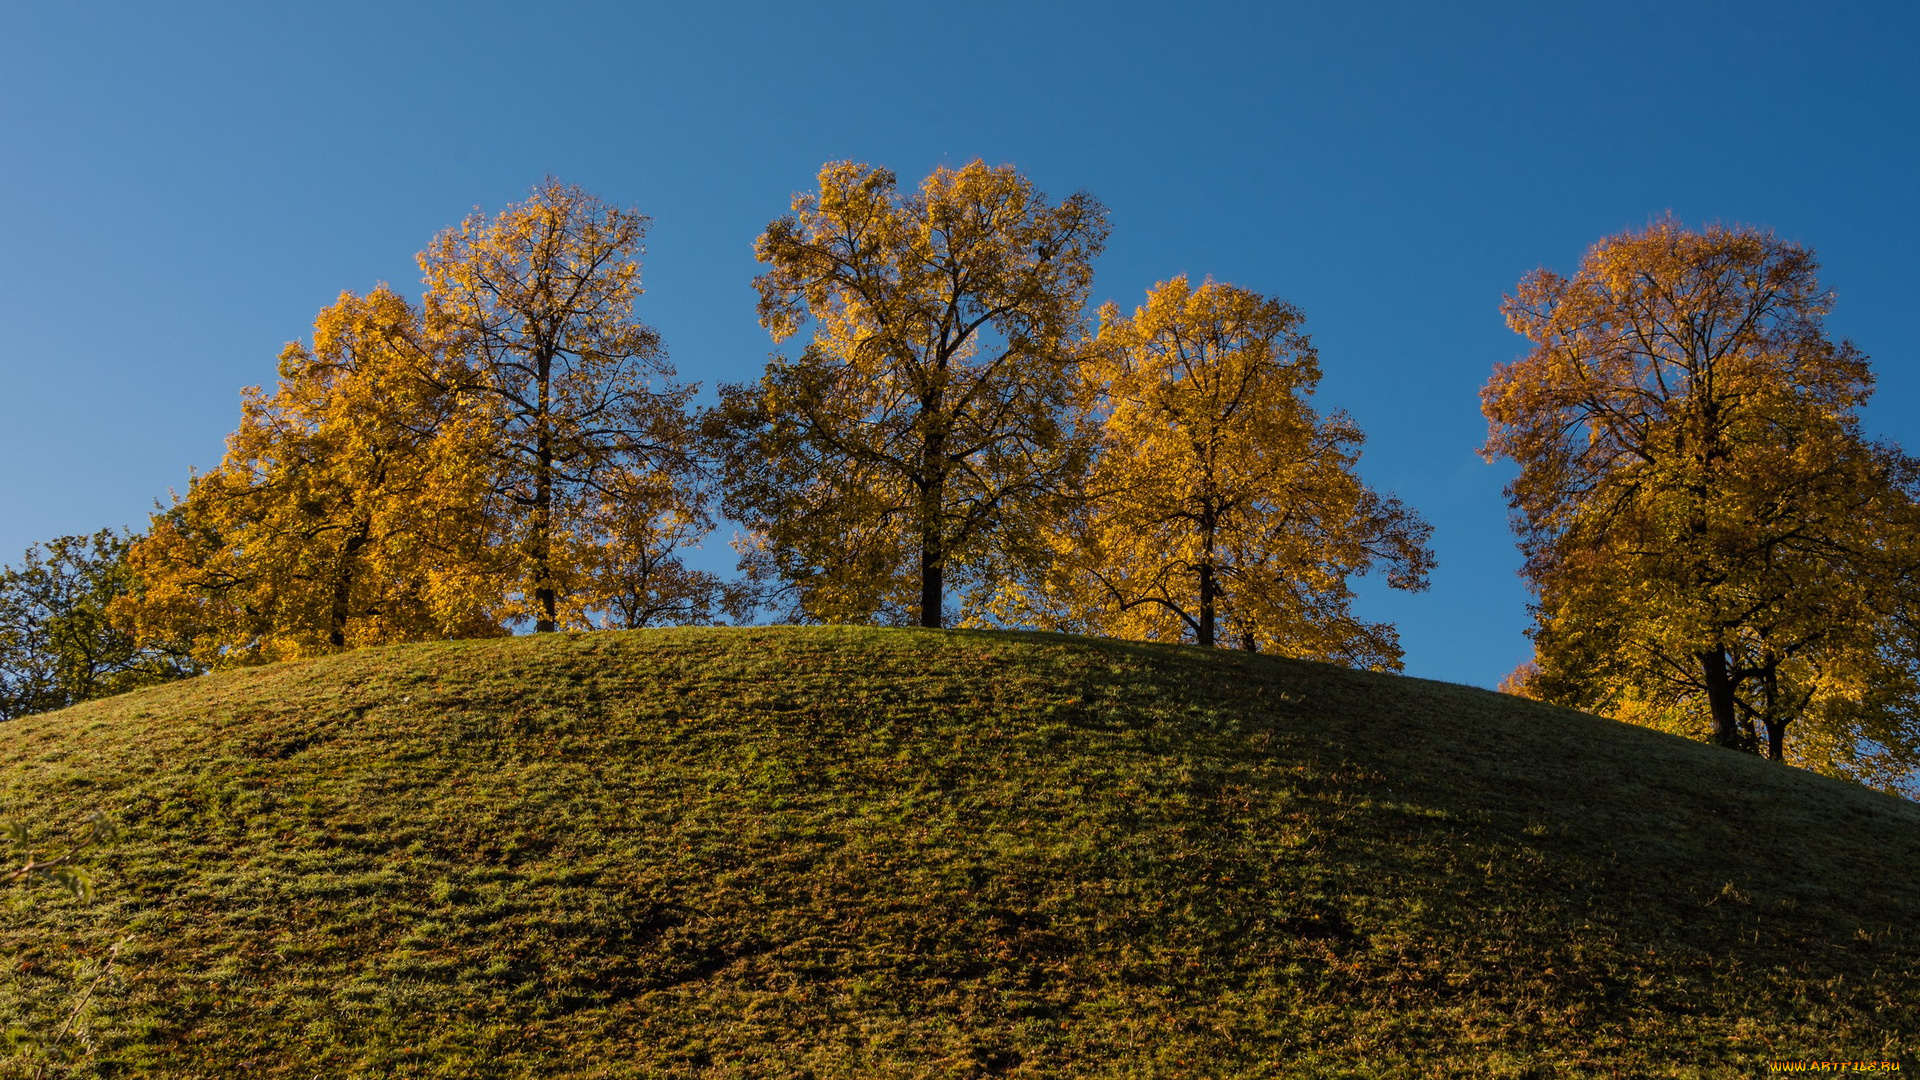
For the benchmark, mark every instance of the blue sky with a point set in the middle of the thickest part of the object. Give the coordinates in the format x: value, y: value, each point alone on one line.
x: 183, y: 186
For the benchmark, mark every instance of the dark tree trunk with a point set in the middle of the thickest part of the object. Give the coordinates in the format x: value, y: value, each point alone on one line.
x: 1206, y: 604
x: 930, y: 586
x: 1209, y: 585
x: 343, y: 587
x: 1719, y: 680
x: 1774, y: 719
x: 544, y: 595
x: 933, y: 489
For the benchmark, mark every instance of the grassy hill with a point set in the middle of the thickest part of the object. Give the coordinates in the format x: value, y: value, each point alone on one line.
x: 858, y: 852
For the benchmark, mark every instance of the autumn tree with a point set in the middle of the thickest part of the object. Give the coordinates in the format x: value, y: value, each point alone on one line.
x: 1222, y: 507
x: 60, y: 642
x: 1715, y: 547
x: 592, y: 478
x: 924, y: 429
x: 347, y: 511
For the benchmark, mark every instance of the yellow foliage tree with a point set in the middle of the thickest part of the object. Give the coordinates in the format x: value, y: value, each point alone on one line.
x: 1715, y: 547
x: 346, y: 511
x: 593, y: 483
x: 924, y: 430
x: 1221, y: 505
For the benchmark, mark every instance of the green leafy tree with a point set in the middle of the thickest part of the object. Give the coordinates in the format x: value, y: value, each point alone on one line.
x: 60, y: 639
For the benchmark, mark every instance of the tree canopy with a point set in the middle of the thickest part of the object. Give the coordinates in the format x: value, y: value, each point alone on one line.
x: 513, y: 451
x: 591, y: 474
x: 1221, y: 504
x: 1715, y: 547
x: 952, y: 440
x: 925, y: 428
x: 347, y: 511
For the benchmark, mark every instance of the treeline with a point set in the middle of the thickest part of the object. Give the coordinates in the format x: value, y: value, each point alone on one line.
x: 954, y: 442
x: 958, y: 439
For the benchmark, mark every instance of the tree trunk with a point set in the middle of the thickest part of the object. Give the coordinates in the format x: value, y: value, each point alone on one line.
x: 1208, y: 588
x: 343, y: 587
x: 1206, y: 604
x: 930, y: 586
x: 933, y: 489
x: 542, y: 546
x: 1776, y: 738
x: 1726, y: 728
x: 1775, y: 721
x: 933, y: 557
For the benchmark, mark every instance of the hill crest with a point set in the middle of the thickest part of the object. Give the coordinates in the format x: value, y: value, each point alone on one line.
x: 852, y: 851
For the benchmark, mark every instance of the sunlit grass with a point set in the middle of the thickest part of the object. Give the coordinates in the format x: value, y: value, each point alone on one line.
x: 859, y: 852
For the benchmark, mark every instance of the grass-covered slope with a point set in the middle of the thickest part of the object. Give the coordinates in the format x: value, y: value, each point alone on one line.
x: 851, y: 852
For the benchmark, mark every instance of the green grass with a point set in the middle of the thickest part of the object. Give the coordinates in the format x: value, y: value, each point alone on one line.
x: 834, y: 852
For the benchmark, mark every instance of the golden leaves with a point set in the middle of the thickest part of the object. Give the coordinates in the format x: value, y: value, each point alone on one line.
x: 587, y: 444
x: 917, y: 437
x: 1712, y: 540
x: 514, y: 450
x: 1221, y: 506
x: 337, y: 508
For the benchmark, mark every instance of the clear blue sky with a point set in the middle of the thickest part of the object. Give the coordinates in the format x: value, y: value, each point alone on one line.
x: 182, y: 186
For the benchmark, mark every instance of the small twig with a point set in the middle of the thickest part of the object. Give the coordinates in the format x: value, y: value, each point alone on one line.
x: 77, y: 840
x: 31, y: 868
x: 105, y: 966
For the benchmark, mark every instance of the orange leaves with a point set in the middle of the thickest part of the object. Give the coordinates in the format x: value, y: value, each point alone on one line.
x: 337, y: 511
x: 558, y: 267
x: 1726, y: 322
x: 516, y: 449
